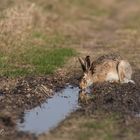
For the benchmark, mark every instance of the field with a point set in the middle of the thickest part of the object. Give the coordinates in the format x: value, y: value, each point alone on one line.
x: 40, y: 42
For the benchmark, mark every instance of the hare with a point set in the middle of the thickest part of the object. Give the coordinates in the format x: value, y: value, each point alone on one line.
x: 109, y: 67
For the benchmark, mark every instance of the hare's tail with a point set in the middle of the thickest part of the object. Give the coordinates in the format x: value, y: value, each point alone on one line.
x: 124, y: 71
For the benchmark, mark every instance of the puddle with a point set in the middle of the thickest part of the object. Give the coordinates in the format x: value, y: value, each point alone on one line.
x: 42, y: 119
x: 137, y: 115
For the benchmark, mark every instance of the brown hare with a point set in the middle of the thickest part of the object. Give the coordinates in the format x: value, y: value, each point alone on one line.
x: 109, y: 67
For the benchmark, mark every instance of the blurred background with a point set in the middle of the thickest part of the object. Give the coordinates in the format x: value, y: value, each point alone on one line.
x: 32, y: 27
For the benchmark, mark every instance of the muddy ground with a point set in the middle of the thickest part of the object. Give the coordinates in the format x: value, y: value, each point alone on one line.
x: 20, y: 94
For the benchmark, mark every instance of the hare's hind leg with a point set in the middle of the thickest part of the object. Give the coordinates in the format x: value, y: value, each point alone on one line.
x: 125, y: 72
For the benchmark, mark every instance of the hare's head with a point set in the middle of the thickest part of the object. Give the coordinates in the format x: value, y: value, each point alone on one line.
x: 87, y: 78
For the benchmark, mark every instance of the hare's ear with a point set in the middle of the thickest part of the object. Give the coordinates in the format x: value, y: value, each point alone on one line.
x: 82, y: 62
x: 92, y: 67
x: 87, y: 62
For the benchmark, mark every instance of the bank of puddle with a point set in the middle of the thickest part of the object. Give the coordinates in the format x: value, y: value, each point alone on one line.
x: 47, y: 116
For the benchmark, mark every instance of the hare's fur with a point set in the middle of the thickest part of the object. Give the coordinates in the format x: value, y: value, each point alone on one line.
x: 110, y: 68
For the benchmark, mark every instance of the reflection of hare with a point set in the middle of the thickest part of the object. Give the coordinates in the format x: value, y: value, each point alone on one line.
x: 84, y: 97
x: 106, y: 68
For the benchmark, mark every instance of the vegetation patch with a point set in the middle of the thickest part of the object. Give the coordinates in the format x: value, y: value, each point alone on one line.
x: 36, y: 61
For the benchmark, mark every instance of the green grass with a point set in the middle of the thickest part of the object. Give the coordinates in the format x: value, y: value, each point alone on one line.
x: 46, y: 61
x: 36, y: 60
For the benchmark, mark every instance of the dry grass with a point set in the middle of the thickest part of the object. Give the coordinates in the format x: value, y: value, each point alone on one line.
x: 24, y: 29
x: 99, y: 126
x: 17, y: 24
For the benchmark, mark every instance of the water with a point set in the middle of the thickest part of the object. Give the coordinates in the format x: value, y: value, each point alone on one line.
x: 44, y: 118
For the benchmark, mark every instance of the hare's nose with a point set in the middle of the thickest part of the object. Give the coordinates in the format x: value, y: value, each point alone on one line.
x: 81, y: 87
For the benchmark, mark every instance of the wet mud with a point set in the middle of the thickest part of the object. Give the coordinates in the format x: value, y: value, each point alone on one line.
x: 31, y: 92
x: 21, y: 94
